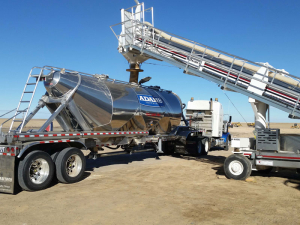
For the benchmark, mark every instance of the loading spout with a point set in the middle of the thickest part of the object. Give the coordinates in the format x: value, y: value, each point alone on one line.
x: 134, y: 73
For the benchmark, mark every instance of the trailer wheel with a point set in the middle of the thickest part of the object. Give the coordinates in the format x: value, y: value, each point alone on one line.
x: 35, y: 171
x: 70, y: 165
x: 237, y: 167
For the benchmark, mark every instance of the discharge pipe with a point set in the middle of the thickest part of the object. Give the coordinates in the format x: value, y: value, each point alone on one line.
x: 134, y: 72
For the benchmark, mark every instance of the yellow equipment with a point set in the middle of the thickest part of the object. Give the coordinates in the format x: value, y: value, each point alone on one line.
x: 236, y: 124
x: 295, y: 126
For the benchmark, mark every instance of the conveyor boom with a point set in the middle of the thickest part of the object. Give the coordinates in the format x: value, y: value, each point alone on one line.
x: 262, y: 82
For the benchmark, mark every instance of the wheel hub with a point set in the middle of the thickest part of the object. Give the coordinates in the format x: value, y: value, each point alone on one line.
x: 236, y: 167
x: 39, y: 170
x: 73, y: 165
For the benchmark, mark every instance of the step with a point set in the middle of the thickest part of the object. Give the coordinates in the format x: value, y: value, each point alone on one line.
x: 31, y: 84
x: 28, y: 91
x: 24, y: 101
x: 18, y: 120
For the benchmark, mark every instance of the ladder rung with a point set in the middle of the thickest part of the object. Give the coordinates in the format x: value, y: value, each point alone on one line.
x: 31, y: 83
x: 25, y: 101
x: 21, y: 111
x: 18, y: 120
x: 28, y: 91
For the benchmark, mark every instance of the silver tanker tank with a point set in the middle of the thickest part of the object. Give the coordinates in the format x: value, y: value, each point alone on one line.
x: 108, y: 105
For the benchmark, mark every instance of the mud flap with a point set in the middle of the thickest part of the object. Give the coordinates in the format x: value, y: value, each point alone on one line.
x: 7, y: 174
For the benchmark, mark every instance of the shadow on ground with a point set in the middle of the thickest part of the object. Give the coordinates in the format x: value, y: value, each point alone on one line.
x: 218, y: 161
x: 119, y: 159
x: 54, y: 182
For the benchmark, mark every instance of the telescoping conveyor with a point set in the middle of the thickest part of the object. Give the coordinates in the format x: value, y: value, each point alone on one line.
x: 265, y: 86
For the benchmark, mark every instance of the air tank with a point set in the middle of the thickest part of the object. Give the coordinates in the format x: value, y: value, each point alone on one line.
x: 103, y: 104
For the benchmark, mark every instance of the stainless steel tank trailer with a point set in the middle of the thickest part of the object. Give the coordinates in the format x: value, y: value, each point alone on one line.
x: 93, y: 111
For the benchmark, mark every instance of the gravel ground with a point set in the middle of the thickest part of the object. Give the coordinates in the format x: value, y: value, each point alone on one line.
x: 143, y: 189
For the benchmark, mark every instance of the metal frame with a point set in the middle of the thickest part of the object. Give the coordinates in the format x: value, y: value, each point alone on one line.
x: 271, y: 159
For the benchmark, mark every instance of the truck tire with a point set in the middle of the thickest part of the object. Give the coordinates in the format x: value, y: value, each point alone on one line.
x: 202, y: 148
x: 237, y: 167
x: 35, y: 171
x: 54, y: 156
x: 70, y: 165
x: 228, y: 140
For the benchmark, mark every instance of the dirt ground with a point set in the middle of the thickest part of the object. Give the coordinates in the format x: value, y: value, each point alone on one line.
x: 143, y: 189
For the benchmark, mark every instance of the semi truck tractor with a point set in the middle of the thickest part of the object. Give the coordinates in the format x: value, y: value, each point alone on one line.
x: 206, y: 128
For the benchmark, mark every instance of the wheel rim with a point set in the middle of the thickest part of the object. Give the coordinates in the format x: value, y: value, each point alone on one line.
x: 39, y: 171
x: 73, y: 165
x: 206, y: 146
x: 236, y: 167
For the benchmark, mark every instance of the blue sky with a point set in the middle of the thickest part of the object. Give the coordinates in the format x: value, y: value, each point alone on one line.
x: 76, y: 35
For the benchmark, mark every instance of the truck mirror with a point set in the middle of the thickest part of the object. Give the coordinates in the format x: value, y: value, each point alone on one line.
x: 230, y: 117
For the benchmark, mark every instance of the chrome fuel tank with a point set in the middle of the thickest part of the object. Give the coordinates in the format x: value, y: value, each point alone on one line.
x: 104, y: 104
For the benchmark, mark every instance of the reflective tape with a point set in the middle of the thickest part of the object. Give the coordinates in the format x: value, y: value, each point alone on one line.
x: 80, y: 134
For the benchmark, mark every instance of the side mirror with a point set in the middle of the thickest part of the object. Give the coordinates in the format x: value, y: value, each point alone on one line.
x: 230, y: 117
x: 144, y: 80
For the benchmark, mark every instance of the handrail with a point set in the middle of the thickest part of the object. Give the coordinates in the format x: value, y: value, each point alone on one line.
x: 8, y: 112
x: 9, y: 119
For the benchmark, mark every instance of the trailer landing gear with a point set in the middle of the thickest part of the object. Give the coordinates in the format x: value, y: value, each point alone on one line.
x: 237, y: 167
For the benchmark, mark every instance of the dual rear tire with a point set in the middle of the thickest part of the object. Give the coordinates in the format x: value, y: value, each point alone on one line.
x: 70, y: 165
x: 202, y: 147
x: 36, y: 171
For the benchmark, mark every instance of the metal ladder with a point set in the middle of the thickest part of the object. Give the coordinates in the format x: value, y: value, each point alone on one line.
x: 139, y: 36
x: 26, y: 98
